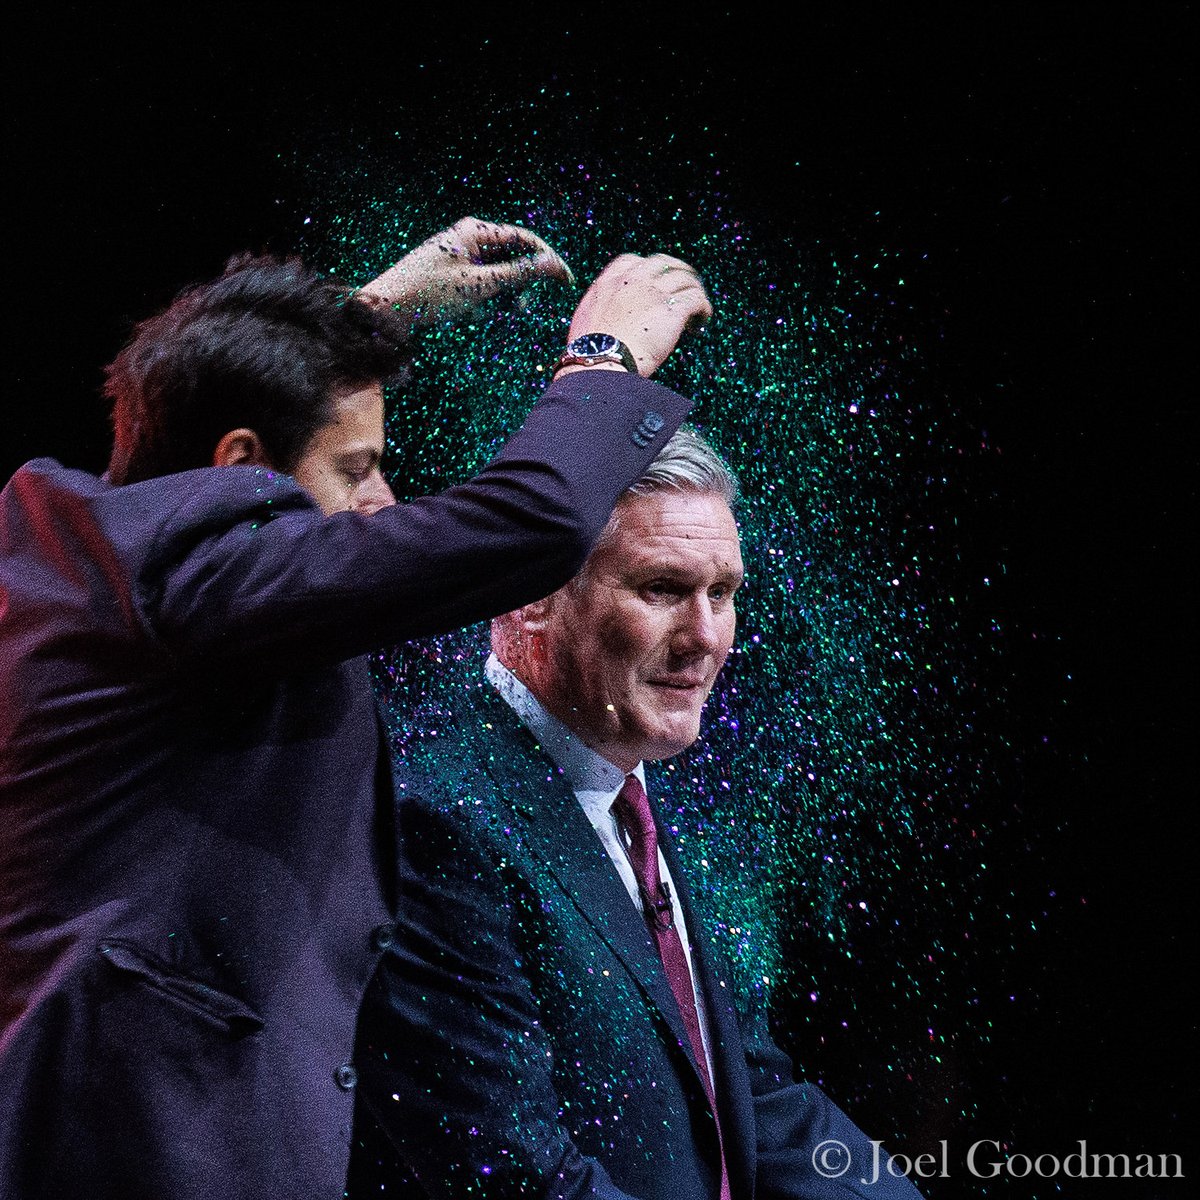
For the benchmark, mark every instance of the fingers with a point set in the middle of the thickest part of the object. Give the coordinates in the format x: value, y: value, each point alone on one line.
x: 493, y: 278
x: 663, y: 271
x: 547, y: 264
x: 684, y: 289
x: 693, y: 307
x: 680, y: 285
x: 491, y: 245
x: 666, y: 264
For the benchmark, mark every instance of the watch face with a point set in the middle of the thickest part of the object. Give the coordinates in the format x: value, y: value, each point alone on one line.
x: 591, y: 344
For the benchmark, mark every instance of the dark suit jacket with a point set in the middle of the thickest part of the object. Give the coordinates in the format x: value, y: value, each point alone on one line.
x: 197, y: 871
x: 520, y: 1038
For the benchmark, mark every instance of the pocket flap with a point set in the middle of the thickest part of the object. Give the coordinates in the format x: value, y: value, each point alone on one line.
x: 128, y: 956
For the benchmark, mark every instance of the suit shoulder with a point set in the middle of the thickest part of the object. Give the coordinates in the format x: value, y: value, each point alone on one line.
x: 465, y: 772
x: 45, y: 500
x: 438, y: 781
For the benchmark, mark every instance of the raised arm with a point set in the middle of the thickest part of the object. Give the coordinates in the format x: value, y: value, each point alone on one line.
x: 267, y: 581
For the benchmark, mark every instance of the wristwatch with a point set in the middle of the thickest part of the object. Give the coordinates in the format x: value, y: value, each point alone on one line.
x: 593, y: 348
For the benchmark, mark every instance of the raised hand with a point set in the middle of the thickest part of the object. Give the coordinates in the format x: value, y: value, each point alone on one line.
x: 647, y: 302
x: 456, y: 271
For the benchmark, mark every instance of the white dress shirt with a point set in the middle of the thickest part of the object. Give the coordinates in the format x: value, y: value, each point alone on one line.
x: 595, y: 782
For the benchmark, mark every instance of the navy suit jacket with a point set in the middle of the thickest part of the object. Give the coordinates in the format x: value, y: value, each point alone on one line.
x: 197, y: 856
x: 520, y: 1037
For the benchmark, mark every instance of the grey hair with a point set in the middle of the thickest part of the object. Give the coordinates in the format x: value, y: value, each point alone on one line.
x: 687, y: 463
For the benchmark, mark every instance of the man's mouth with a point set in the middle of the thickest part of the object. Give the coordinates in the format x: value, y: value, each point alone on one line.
x: 679, y: 685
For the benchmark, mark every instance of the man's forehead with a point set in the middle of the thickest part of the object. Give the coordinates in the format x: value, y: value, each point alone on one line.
x: 672, y: 523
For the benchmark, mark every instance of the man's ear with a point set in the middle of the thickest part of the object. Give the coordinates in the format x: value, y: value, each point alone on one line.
x: 534, y: 618
x: 240, y: 448
x: 517, y: 638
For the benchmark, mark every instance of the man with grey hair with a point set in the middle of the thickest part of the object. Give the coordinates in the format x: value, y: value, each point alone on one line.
x: 551, y: 1019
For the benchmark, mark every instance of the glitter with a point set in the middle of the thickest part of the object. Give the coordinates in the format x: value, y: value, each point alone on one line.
x: 844, y: 742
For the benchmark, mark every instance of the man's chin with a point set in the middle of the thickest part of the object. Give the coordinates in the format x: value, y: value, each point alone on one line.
x: 671, y: 737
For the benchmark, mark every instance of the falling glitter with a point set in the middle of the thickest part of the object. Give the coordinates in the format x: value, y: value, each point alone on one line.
x: 826, y: 814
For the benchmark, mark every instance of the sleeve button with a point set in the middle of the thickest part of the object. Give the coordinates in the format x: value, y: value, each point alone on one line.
x: 382, y: 936
x: 346, y: 1077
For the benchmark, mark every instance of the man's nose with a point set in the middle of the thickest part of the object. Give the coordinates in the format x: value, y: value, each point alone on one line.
x: 698, y: 631
x: 372, y: 494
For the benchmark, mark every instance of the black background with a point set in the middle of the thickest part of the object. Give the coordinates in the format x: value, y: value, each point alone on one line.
x: 1041, y: 161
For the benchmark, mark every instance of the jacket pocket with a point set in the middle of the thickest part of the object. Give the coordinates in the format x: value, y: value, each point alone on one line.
x: 228, y: 1012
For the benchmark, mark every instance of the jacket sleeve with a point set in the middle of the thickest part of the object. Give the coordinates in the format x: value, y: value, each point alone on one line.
x: 255, y: 576
x: 453, y: 1063
x: 806, y: 1147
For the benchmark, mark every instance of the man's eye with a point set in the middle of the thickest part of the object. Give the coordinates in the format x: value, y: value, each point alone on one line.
x: 660, y: 590
x: 723, y: 595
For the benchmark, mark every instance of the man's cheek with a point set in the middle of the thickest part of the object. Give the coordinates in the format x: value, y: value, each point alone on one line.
x: 620, y: 640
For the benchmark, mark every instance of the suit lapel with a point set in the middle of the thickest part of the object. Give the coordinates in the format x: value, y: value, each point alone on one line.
x: 574, y: 855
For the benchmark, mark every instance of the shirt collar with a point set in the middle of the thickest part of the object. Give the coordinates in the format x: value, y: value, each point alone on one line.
x: 593, y: 779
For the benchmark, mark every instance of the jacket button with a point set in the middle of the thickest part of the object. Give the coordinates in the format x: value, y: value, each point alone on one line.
x: 346, y: 1077
x: 652, y: 422
x: 382, y: 936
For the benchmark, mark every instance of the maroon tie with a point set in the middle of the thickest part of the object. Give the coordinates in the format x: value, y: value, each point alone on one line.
x: 632, y: 810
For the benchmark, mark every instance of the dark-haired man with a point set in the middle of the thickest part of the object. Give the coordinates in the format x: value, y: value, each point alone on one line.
x: 197, y: 870
x: 551, y: 1020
